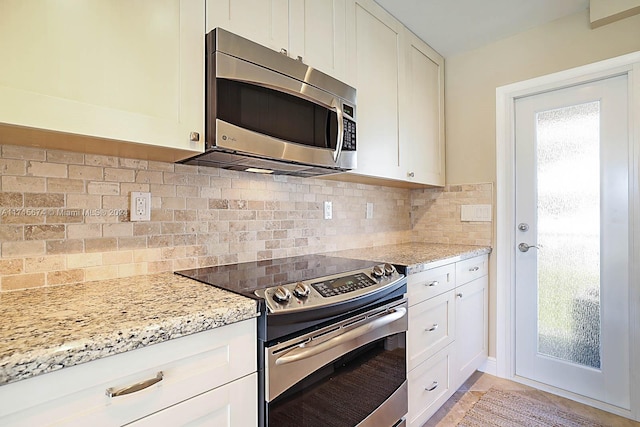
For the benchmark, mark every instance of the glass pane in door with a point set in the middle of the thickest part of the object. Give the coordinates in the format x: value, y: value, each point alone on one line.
x: 568, y: 209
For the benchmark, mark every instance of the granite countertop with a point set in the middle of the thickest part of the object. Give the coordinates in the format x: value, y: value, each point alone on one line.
x: 46, y: 329
x: 416, y: 257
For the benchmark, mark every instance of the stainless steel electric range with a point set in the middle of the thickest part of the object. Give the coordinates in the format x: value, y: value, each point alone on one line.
x: 331, y: 338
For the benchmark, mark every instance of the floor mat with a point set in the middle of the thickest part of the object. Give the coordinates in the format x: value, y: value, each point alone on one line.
x: 498, y: 408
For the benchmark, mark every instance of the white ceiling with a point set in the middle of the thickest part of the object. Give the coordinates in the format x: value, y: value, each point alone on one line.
x: 455, y: 26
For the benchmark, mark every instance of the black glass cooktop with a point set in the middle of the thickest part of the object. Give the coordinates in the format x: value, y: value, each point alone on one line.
x: 244, y: 278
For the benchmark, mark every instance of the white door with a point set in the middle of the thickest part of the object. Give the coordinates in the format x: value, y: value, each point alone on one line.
x: 572, y: 202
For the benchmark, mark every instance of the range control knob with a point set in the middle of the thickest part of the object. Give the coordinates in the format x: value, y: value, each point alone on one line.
x: 389, y: 269
x: 281, y: 294
x: 377, y: 271
x: 301, y: 290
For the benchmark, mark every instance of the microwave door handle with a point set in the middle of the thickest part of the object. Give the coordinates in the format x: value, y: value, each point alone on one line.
x: 301, y: 353
x: 340, y: 140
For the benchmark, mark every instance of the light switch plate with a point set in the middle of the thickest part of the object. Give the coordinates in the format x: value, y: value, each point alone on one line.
x: 140, y: 206
x: 476, y: 213
x: 328, y: 210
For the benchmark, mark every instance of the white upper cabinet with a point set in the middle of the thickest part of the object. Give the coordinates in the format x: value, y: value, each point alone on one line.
x: 115, y: 69
x: 317, y: 34
x: 263, y: 21
x: 422, y: 114
x: 376, y: 60
x: 400, y: 83
x: 312, y: 30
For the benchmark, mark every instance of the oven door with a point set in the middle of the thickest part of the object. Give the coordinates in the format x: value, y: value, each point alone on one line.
x: 346, y: 374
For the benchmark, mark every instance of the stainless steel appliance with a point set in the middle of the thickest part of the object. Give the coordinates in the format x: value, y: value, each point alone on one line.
x: 266, y: 112
x: 332, y: 339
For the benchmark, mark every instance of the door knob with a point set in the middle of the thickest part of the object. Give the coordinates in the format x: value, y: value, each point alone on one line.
x: 523, y: 247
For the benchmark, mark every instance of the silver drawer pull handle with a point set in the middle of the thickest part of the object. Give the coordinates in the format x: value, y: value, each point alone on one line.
x: 434, y: 283
x: 433, y: 386
x: 433, y: 328
x: 476, y: 268
x: 459, y: 295
x: 111, y: 392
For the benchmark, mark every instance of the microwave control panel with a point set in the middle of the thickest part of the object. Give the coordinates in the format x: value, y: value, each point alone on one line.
x: 349, y: 141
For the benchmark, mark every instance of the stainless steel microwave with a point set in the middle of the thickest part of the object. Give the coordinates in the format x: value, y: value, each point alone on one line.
x: 266, y: 112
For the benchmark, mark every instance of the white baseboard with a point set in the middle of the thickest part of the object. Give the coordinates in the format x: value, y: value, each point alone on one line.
x: 490, y: 366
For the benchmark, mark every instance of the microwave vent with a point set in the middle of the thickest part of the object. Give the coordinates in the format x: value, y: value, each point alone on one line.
x: 242, y: 162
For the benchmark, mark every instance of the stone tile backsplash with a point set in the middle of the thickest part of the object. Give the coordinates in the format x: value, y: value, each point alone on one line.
x: 64, y: 217
x: 435, y: 214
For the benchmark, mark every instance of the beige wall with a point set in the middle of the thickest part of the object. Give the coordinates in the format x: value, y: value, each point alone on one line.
x: 471, y: 82
x: 472, y: 79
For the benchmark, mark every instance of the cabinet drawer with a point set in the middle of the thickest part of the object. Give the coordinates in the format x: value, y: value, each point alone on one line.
x: 430, y: 283
x: 233, y: 404
x: 472, y: 268
x: 430, y: 386
x: 76, y: 396
x: 431, y: 327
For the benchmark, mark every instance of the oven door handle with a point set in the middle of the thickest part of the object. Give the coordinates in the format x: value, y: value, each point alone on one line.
x: 301, y: 353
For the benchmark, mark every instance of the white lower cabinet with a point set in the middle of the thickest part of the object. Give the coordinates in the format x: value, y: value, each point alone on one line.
x: 431, y: 325
x: 471, y: 328
x: 216, y: 368
x: 447, y: 334
x: 430, y: 385
x: 233, y: 404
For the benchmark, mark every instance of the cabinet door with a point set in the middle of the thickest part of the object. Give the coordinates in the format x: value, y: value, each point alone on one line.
x: 375, y: 52
x: 422, y: 114
x: 263, y: 21
x: 116, y: 69
x: 317, y: 34
x: 471, y: 328
x: 234, y: 404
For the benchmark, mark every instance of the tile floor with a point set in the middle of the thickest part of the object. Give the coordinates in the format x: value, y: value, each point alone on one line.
x: 454, y: 409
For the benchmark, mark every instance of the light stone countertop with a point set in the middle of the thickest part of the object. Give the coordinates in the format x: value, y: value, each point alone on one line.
x: 416, y: 257
x: 46, y: 329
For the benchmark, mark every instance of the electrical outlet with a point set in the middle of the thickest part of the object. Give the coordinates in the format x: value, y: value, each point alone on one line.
x: 328, y: 210
x: 140, y: 206
x: 369, y: 212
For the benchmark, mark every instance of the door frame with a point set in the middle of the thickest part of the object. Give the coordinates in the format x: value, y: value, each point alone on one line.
x: 504, y: 250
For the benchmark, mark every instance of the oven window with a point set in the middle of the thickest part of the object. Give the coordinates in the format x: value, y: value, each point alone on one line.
x: 346, y: 391
x: 276, y: 114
